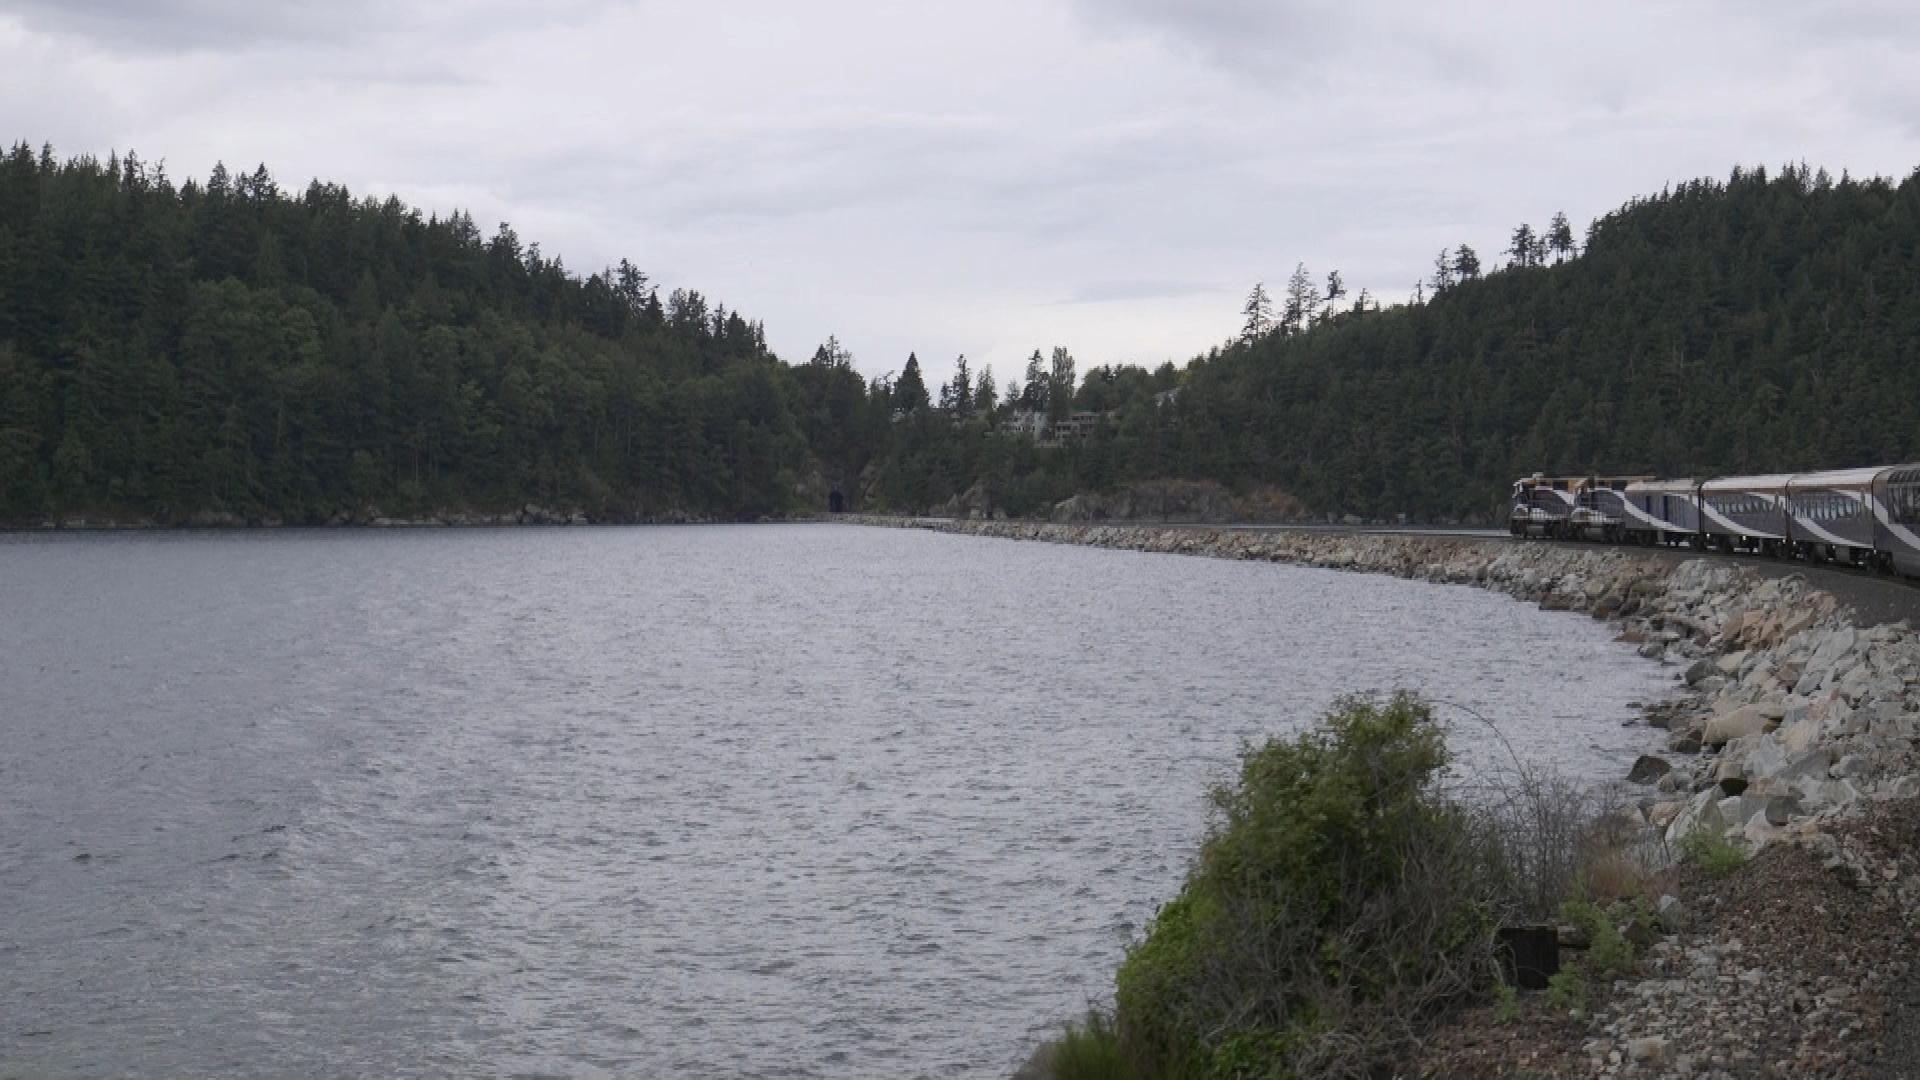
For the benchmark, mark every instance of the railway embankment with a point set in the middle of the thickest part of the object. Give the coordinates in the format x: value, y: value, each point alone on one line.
x: 1791, y: 753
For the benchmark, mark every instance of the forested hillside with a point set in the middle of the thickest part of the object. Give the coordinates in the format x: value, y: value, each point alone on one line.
x: 1768, y: 322
x: 227, y: 349
x: 223, y: 350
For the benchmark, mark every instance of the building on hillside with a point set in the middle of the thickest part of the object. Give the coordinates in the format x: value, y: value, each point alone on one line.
x: 1077, y: 426
x: 1027, y: 423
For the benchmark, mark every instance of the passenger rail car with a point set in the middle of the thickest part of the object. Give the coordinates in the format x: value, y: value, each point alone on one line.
x: 1861, y: 517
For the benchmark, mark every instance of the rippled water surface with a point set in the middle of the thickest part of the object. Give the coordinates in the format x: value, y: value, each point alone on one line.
x: 708, y: 802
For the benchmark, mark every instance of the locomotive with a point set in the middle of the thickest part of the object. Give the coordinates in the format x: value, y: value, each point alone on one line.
x: 1867, y: 517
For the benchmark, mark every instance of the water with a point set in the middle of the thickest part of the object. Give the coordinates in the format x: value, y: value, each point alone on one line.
x: 708, y: 802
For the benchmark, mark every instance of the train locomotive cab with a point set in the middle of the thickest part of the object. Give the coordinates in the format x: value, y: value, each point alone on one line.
x: 1543, y: 505
x: 1745, y: 513
x: 1662, y: 512
x: 1600, y: 508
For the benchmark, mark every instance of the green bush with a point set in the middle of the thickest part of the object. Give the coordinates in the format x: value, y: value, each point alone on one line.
x: 1337, y: 902
x: 1609, y: 953
x: 1710, y: 850
x: 1568, y: 990
x: 1506, y: 1004
x: 1088, y: 1050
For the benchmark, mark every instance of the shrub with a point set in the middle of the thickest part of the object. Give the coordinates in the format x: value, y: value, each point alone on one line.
x: 1609, y: 953
x: 1568, y: 990
x: 1506, y: 1004
x: 1337, y: 902
x: 1088, y: 1050
x: 1708, y: 849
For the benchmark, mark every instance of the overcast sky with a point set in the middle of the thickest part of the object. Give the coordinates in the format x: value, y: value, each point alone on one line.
x: 984, y: 177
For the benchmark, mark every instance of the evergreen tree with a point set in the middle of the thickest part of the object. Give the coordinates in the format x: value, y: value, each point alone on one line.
x: 985, y: 399
x: 1302, y: 300
x: 1336, y: 289
x: 910, y: 390
x: 1466, y: 264
x: 1060, y: 384
x: 1559, y: 237
x: 958, y: 394
x: 1256, y: 314
x: 1520, y: 249
x: 1036, y: 395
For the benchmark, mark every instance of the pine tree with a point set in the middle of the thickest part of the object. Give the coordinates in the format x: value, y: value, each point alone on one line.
x: 1257, y: 314
x: 1060, y: 384
x: 1442, y: 279
x: 1521, y: 247
x: 1034, y: 395
x: 1302, y: 299
x: 984, y: 394
x: 910, y: 390
x: 960, y: 389
x: 1336, y: 288
x: 1466, y: 264
x: 1560, y: 237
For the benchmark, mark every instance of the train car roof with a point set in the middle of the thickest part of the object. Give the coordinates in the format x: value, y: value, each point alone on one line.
x: 1838, y: 478
x: 1664, y: 485
x: 1748, y: 483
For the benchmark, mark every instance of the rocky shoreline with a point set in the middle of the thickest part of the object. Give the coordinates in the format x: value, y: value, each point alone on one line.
x: 1792, y: 735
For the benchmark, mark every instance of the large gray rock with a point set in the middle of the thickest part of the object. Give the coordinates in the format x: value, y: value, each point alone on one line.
x: 1745, y: 720
x: 1648, y: 769
x: 1816, y: 793
x: 1850, y: 766
x: 1802, y: 727
x: 1671, y: 913
x: 1890, y: 720
x: 1765, y: 757
x: 1651, y: 1049
x: 1837, y: 644
x: 1811, y: 682
x: 1736, y: 810
x: 1699, y: 813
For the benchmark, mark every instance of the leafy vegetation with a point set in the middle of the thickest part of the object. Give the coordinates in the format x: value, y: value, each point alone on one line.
x: 1347, y: 897
x: 1712, y: 852
x: 1609, y: 953
x: 1087, y: 1050
x: 1336, y: 904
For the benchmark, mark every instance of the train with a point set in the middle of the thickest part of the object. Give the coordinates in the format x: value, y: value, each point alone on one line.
x: 1866, y: 517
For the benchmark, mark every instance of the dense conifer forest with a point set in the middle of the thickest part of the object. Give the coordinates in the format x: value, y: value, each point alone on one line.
x: 225, y: 350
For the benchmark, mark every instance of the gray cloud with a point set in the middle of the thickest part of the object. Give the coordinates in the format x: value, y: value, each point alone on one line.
x: 145, y: 25
x: 984, y: 178
x: 150, y: 26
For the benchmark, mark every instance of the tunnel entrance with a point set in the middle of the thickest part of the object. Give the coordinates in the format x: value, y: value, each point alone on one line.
x: 836, y: 502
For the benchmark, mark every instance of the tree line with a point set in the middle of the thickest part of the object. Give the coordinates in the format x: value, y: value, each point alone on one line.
x: 223, y: 347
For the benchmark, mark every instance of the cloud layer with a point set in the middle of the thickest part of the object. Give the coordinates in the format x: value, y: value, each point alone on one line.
x: 984, y: 178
